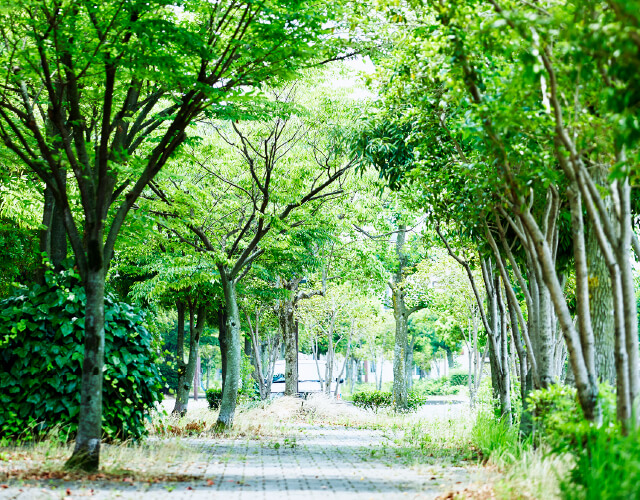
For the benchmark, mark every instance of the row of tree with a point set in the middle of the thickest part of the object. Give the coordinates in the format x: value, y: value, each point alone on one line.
x: 187, y: 157
x: 513, y: 127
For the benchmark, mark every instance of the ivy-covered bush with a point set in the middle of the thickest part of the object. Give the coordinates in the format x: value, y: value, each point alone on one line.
x: 41, y: 354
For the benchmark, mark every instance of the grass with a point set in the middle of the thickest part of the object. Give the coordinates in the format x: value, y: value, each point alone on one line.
x: 178, y: 449
x: 122, y: 462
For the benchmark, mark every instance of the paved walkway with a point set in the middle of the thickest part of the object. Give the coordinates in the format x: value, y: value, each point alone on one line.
x: 319, y: 463
x: 313, y: 462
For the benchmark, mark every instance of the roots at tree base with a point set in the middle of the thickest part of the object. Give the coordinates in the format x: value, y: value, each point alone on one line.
x: 84, y: 460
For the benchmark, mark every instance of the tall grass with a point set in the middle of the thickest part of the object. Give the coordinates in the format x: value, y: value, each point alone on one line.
x: 607, y: 467
x: 497, y: 441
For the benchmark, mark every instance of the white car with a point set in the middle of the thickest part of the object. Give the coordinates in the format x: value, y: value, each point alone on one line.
x: 308, y: 378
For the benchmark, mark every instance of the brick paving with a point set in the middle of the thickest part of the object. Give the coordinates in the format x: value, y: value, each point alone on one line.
x: 314, y: 463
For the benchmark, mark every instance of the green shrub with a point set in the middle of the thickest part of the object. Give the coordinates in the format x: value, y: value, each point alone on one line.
x: 41, y: 354
x: 214, y: 398
x: 607, y: 467
x: 557, y: 416
x: 416, y: 400
x: 436, y: 387
x: 457, y: 379
x: 374, y: 400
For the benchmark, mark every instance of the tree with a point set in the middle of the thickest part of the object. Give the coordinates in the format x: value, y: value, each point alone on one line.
x: 245, y: 186
x: 103, y: 95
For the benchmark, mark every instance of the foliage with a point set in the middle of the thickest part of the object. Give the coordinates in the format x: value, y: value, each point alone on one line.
x: 558, y: 418
x: 375, y: 400
x: 372, y: 400
x: 18, y: 247
x: 214, y: 397
x: 607, y: 467
x: 41, y: 356
x: 459, y: 378
x: 495, y: 439
x: 436, y: 387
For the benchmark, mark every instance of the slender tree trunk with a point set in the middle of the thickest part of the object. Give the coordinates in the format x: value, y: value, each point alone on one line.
x: 601, y: 297
x: 180, y: 405
x: 289, y: 337
x: 400, y: 395
x: 586, y: 380
x: 222, y: 341
x: 232, y: 341
x: 344, y: 365
x: 504, y: 374
x: 86, y: 454
x: 53, y: 237
x: 196, y: 378
x: 262, y: 354
x: 409, y: 363
x: 188, y: 374
x: 328, y: 367
x: 449, y: 354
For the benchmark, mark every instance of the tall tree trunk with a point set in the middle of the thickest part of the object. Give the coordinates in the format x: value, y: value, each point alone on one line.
x: 504, y: 373
x: 347, y: 360
x: 290, y: 339
x: 53, y: 237
x: 180, y: 405
x: 400, y: 395
x: 222, y: 341
x: 196, y: 378
x: 328, y: 377
x: 86, y: 454
x: 600, y: 300
x: 188, y: 374
x: 409, y: 363
x: 232, y: 341
x: 449, y: 353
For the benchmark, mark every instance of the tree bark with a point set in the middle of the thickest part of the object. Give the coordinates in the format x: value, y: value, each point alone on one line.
x: 400, y: 394
x: 409, y: 363
x: 180, y: 406
x: 187, y: 374
x: 196, y: 377
x: 289, y: 337
x: 263, y: 353
x: 86, y: 454
x: 232, y: 341
x: 600, y: 295
x: 222, y: 341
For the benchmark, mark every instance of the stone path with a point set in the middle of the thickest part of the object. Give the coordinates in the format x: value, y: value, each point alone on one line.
x: 318, y: 463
